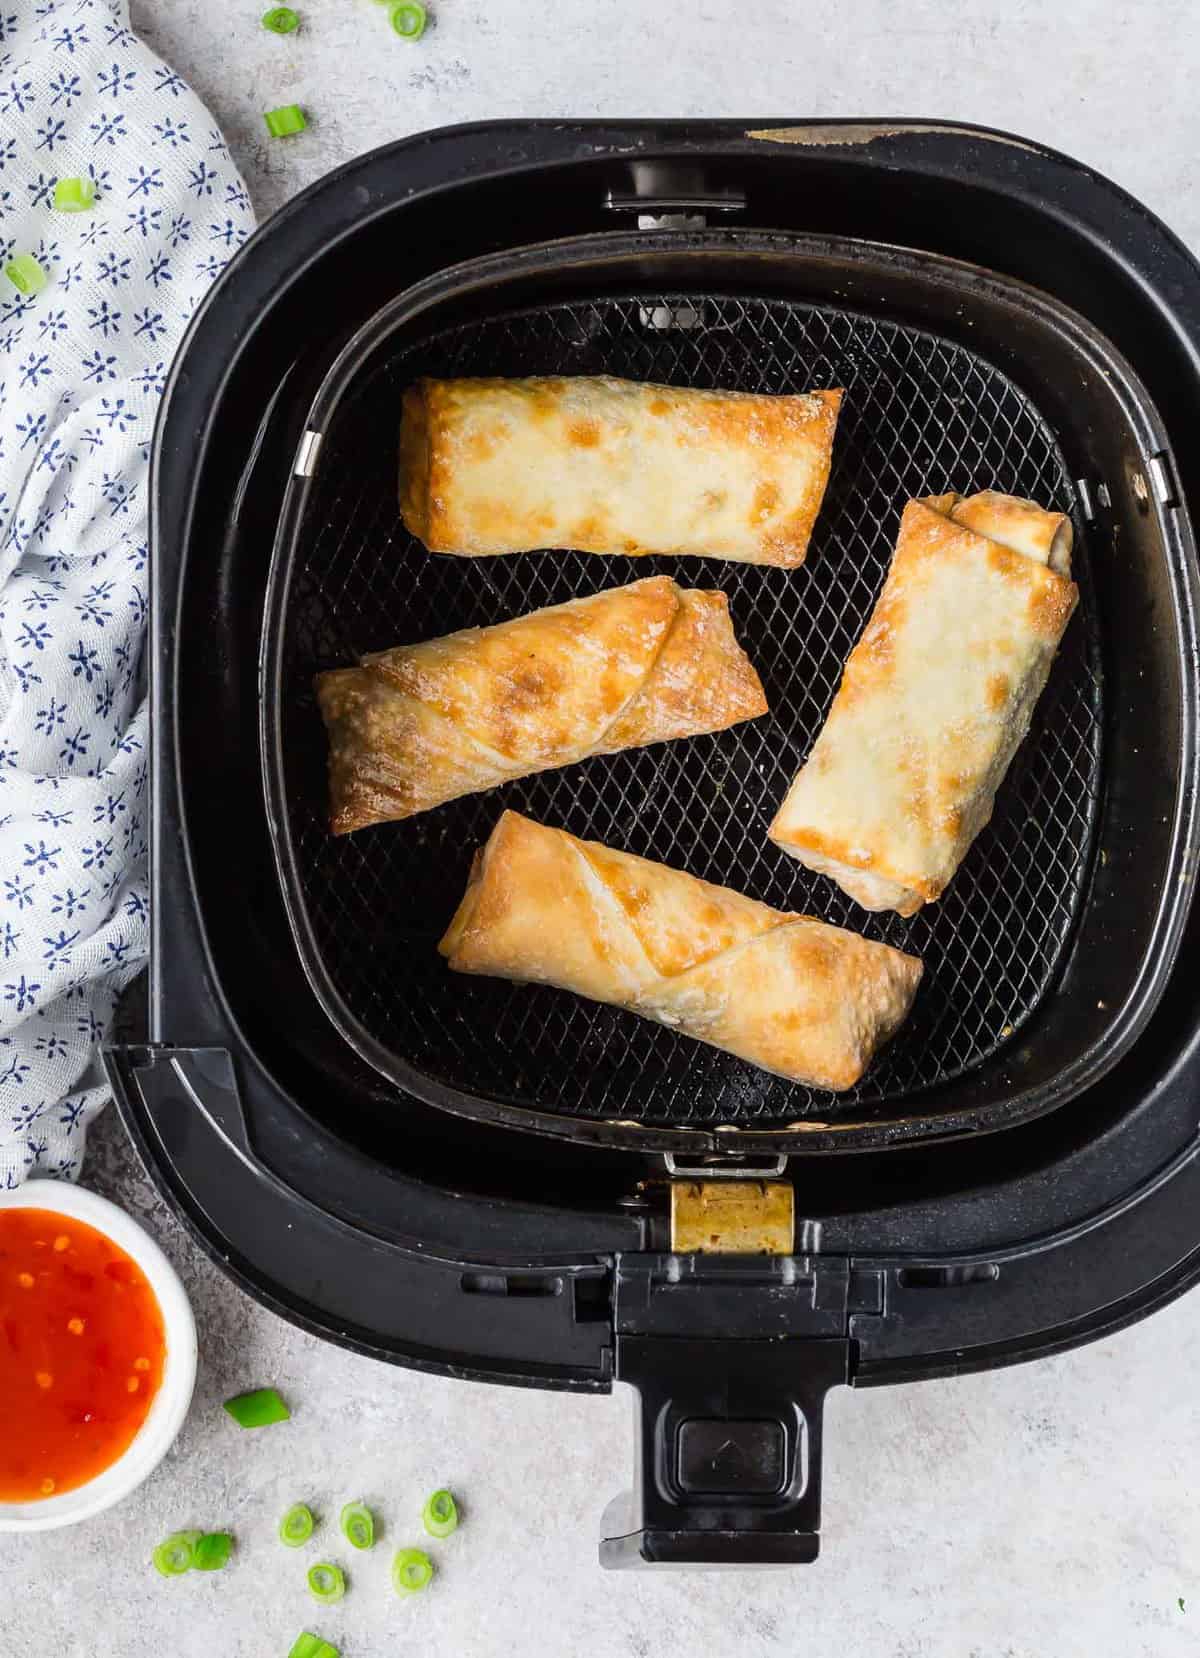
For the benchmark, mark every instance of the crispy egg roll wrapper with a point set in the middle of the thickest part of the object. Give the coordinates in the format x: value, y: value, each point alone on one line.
x: 414, y: 727
x: 935, y: 699
x: 810, y: 1002
x: 613, y: 466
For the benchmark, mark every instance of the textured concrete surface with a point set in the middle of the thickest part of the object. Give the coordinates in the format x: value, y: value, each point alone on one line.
x: 1047, y: 1512
x: 1112, y: 84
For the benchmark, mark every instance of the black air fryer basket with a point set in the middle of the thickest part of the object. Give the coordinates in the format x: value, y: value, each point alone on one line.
x: 479, y: 1177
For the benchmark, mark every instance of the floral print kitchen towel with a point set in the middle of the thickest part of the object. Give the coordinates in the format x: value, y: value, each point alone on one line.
x: 82, y: 368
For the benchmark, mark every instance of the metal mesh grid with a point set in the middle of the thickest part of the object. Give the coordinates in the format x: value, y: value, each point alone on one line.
x: 922, y: 415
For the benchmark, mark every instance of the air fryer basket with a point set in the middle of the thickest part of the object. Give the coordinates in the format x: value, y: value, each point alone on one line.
x: 924, y: 413
x: 921, y: 416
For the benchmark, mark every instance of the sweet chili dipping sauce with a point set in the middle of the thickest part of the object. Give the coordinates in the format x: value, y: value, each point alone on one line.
x: 81, y: 1353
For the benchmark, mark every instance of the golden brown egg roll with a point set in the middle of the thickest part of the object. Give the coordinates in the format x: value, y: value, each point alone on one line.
x: 790, y: 994
x: 935, y: 699
x: 414, y: 727
x: 612, y: 466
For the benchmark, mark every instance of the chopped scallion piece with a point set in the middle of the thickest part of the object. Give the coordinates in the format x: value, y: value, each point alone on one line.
x: 296, y: 1527
x: 358, y: 1525
x: 440, y: 1514
x: 25, y: 274
x: 281, y: 20
x: 75, y: 195
x: 409, y: 19
x: 326, y: 1582
x: 412, y: 1571
x: 258, y: 1409
x: 312, y: 1646
x: 176, y: 1553
x: 285, y: 122
x: 212, y: 1551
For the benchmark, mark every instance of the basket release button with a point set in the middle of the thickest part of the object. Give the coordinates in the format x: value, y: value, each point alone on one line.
x: 730, y: 1459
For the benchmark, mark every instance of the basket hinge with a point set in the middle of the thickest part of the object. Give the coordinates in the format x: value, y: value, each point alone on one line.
x: 666, y: 196
x: 680, y: 1166
x: 676, y: 211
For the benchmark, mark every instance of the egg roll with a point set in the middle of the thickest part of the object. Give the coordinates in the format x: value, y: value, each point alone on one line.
x: 785, y: 992
x: 413, y: 727
x: 612, y: 466
x: 935, y: 699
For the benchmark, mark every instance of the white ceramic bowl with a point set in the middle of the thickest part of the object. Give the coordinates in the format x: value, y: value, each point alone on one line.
x: 157, y: 1433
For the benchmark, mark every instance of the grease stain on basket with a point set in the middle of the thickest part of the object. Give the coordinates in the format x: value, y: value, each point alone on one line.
x: 855, y: 133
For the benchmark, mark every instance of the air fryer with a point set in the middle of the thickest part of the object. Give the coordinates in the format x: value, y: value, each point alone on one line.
x: 502, y: 1200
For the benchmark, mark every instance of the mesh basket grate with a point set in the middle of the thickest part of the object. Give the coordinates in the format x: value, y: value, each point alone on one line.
x: 921, y: 416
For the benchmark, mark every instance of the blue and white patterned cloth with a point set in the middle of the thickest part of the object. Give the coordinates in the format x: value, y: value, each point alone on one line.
x: 82, y: 368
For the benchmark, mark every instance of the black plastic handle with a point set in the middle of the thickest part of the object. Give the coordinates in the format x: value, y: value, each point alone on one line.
x: 729, y: 1464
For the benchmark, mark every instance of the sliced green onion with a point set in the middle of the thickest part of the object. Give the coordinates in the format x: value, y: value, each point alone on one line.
x: 75, y: 195
x: 285, y: 122
x: 440, y: 1514
x: 326, y: 1582
x: 258, y: 1409
x: 312, y: 1646
x: 281, y: 20
x: 358, y: 1525
x: 176, y: 1553
x: 412, y: 1571
x: 296, y: 1527
x: 212, y: 1551
x: 25, y: 274
x: 409, y: 19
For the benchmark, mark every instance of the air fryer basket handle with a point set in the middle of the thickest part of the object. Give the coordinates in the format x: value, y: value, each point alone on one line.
x: 729, y: 1451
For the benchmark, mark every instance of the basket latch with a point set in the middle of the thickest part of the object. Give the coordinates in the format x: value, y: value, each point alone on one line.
x: 733, y: 1217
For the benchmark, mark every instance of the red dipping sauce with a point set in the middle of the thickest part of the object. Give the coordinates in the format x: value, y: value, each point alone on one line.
x: 81, y: 1353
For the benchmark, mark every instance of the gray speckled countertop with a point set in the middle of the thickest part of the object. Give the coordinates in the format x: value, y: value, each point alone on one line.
x: 1046, y: 1512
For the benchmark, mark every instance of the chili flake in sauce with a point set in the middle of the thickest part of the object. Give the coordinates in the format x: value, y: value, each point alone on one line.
x: 81, y: 1353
